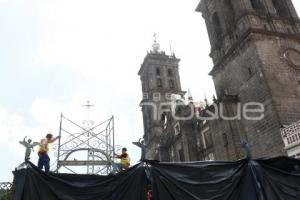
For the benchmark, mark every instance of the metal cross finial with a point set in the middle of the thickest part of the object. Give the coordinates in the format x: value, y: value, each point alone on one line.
x: 88, y: 122
x: 155, y: 37
x: 156, y: 45
x: 190, y: 96
x: 205, y: 99
x: 88, y: 104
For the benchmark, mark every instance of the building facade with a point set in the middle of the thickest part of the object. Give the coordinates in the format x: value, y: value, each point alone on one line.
x: 159, y: 76
x: 255, y: 48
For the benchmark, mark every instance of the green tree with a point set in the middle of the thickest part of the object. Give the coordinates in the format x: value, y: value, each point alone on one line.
x: 6, y: 195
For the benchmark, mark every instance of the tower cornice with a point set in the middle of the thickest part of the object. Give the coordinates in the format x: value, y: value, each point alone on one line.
x: 243, y: 38
x: 153, y: 57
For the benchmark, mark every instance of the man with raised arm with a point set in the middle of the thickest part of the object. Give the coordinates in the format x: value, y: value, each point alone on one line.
x: 44, y: 160
x: 125, y: 160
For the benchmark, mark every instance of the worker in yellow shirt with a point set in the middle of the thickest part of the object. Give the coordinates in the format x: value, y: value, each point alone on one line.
x: 125, y: 160
x: 44, y: 160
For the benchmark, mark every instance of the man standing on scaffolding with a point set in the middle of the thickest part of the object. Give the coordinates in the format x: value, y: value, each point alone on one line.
x: 44, y: 160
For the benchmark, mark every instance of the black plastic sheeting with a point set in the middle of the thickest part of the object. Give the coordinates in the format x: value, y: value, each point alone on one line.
x: 262, y: 179
x: 33, y: 184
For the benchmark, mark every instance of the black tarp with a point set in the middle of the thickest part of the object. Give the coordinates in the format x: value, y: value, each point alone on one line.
x: 203, y: 180
x: 33, y: 184
x: 279, y: 178
x: 262, y: 179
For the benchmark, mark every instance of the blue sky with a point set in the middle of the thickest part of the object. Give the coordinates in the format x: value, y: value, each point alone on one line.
x: 55, y: 55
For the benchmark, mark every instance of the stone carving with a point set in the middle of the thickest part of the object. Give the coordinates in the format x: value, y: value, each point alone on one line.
x: 29, y: 147
x: 141, y: 145
x: 292, y: 56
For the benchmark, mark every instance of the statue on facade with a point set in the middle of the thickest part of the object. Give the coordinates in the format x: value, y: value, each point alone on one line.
x: 29, y: 147
x: 141, y: 144
x: 246, y: 147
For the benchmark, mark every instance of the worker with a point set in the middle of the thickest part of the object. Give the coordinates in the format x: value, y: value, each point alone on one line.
x: 44, y: 160
x: 125, y: 160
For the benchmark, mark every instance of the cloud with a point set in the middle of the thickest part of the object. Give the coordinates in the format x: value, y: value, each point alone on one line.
x: 10, y: 126
x: 46, y: 112
x: 3, y: 126
x: 106, y: 41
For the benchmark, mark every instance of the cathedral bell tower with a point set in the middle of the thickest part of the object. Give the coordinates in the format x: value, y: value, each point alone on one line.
x: 255, y: 47
x: 160, y: 79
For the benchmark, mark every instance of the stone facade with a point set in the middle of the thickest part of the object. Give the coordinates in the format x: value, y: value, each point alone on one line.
x: 255, y: 47
x: 250, y: 62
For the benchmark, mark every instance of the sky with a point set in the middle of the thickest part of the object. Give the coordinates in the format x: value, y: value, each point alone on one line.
x: 57, y: 54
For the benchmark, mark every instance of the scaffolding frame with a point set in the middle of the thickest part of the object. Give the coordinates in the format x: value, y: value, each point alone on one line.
x: 98, y: 142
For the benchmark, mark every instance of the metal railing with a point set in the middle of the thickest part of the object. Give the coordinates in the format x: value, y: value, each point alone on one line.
x: 291, y: 135
x: 5, y: 185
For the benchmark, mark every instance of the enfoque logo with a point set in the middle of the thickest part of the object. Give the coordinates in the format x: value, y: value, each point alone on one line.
x: 253, y: 111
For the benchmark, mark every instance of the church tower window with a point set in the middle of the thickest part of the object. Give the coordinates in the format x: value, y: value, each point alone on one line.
x: 229, y: 13
x: 250, y: 71
x: 225, y: 139
x: 170, y: 72
x: 172, y: 84
x: 157, y: 71
x: 181, y: 155
x: 159, y: 82
x: 258, y: 5
x: 280, y: 7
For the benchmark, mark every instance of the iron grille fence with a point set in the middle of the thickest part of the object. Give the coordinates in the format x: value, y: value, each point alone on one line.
x: 5, y: 185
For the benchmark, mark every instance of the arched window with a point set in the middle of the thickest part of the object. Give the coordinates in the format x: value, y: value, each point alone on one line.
x: 250, y: 71
x: 157, y: 71
x: 229, y: 13
x: 170, y: 72
x: 258, y: 5
x: 281, y: 7
x: 159, y: 82
x: 164, y: 119
x: 225, y: 139
x: 217, y: 26
x: 172, y: 84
